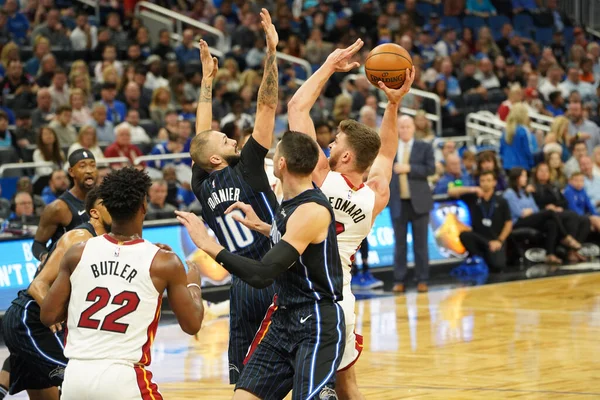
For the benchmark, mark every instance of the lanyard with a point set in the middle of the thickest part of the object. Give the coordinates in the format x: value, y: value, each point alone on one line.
x: 490, y: 212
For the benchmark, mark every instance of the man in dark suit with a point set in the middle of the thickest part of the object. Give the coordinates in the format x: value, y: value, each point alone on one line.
x: 411, y: 201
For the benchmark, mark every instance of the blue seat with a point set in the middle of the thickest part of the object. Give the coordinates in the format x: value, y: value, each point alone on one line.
x: 523, y: 24
x: 452, y: 22
x: 569, y: 36
x: 496, y: 23
x: 425, y: 9
x: 543, y: 36
x: 474, y: 23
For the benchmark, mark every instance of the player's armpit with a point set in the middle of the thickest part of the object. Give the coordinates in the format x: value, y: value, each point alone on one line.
x: 321, y: 170
x: 381, y: 187
x: 55, y: 304
x: 309, y: 224
x: 41, y: 284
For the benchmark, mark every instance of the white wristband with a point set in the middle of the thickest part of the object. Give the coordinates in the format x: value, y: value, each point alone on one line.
x: 194, y: 285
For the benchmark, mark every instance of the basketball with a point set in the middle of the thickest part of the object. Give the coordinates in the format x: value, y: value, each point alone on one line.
x: 388, y: 63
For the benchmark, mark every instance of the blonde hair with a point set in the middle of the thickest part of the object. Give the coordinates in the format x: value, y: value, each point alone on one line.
x: 86, y: 79
x: 75, y: 92
x: 156, y: 95
x: 248, y: 78
x: 230, y: 62
x: 107, y: 72
x: 82, y: 130
x: 5, y: 54
x: 518, y: 115
x: 560, y: 127
x: 341, y: 101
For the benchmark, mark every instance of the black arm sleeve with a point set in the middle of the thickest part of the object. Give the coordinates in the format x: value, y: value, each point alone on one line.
x: 252, y: 164
x: 260, y: 274
x: 39, y: 249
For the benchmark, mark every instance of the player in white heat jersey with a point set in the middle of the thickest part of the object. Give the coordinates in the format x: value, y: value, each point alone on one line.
x: 110, y: 289
x: 355, y: 149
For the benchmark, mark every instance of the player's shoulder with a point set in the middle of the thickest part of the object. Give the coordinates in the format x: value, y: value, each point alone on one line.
x: 378, y: 185
x: 75, y: 236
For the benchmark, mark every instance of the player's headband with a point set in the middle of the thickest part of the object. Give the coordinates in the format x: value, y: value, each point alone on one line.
x: 81, y: 154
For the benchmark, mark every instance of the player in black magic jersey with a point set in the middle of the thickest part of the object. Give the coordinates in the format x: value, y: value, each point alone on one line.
x: 222, y: 176
x: 302, y: 338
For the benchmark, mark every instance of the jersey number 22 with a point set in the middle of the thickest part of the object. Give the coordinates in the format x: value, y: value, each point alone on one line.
x: 101, y: 296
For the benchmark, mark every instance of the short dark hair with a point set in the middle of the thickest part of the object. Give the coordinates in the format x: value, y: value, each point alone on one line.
x: 363, y: 140
x: 63, y: 108
x: 323, y: 122
x: 492, y: 173
x: 577, y: 142
x: 554, y: 95
x: 3, y: 115
x: 123, y: 192
x: 91, y: 198
x: 301, y: 152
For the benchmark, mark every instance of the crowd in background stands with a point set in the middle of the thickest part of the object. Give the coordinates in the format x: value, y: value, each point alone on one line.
x: 69, y: 82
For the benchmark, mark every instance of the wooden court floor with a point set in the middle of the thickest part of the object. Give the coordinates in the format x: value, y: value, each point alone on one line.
x: 536, y: 339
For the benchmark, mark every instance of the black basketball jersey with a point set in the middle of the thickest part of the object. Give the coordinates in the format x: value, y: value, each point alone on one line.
x: 317, y: 275
x: 247, y: 182
x: 78, y: 215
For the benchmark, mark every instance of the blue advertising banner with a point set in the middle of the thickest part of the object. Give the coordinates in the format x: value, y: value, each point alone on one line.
x: 447, y: 220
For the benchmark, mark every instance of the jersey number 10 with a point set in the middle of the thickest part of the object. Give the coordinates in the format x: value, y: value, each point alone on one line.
x: 236, y: 235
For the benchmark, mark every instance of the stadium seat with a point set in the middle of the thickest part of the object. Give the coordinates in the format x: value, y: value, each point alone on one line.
x: 26, y: 52
x: 496, y: 23
x: 452, y: 22
x: 425, y: 9
x: 568, y: 36
x: 543, y: 36
x: 522, y: 239
x: 496, y: 96
x: 473, y: 99
x: 523, y: 24
x: 150, y: 127
x: 9, y: 186
x: 9, y: 155
x: 474, y: 23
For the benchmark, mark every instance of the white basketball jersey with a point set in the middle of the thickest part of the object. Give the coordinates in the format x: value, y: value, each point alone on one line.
x: 114, y: 307
x: 353, y: 210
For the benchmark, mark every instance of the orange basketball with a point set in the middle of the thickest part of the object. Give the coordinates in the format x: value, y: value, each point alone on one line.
x: 388, y: 63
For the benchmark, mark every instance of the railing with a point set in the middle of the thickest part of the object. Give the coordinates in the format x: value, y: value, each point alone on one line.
x: 160, y: 157
x: 494, y: 126
x: 29, y: 165
x: 95, y: 4
x: 437, y: 117
x: 180, y: 19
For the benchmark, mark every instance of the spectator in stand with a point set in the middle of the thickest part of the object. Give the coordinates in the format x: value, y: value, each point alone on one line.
x: 237, y: 115
x: 245, y: 34
x: 48, y: 150
x: 41, y: 47
x: 59, y: 91
x: 587, y: 71
x: 43, y: 114
x: 86, y: 139
x: 178, y: 195
x: 426, y: 47
x: 186, y: 52
x: 591, y: 181
x: 109, y: 57
x: 520, y: 6
x: 579, y: 151
x: 171, y: 122
x: 53, y: 30
x: 122, y: 147
x: 558, y: 134
x: 448, y: 45
x: 518, y: 145
x: 480, y: 8
x: 47, y: 69
x: 7, y: 139
x: 423, y: 130
x: 15, y: 79
x: 82, y: 114
x: 317, y: 50
x: 61, y: 124
x: 578, y: 199
x: 138, y: 133
x: 117, y: 34
x: 188, y: 110
x: 134, y: 54
x: 468, y: 83
x: 5, y: 35
x: 452, y: 85
x: 324, y: 135
x: 574, y: 84
x: 23, y: 208
x: 488, y: 162
x: 469, y: 164
x: 164, y: 49
x: 486, y: 75
x: 526, y: 214
x: 512, y: 76
x: 57, y: 185
x: 173, y: 145
x: 17, y: 23
x: 104, y: 128
x: 24, y: 134
x: 556, y: 104
x: 557, y: 175
x: 582, y: 128
x: 453, y: 177
x: 515, y: 96
x: 552, y: 82
x: 82, y: 82
x: 154, y: 79
x: 4, y: 207
x: 161, y: 104
x: 84, y: 36
x: 597, y: 160
x: 132, y: 98
x: 115, y: 109
x: 142, y: 39
x: 158, y: 208
x: 223, y: 44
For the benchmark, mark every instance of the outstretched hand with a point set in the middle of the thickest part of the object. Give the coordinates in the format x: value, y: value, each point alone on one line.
x: 339, y: 60
x: 270, y: 31
x: 210, y: 64
x: 195, y: 227
x: 246, y: 217
x: 396, y: 95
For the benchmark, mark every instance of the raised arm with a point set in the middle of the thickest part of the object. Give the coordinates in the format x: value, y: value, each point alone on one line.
x: 309, y: 224
x: 305, y: 97
x: 55, y: 304
x: 210, y: 66
x: 380, y: 174
x: 268, y: 93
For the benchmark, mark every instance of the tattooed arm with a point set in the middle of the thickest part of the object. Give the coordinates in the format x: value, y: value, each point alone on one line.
x: 268, y: 93
x: 210, y: 66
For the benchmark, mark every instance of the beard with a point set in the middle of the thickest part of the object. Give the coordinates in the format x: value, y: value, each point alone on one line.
x: 332, y: 162
x: 232, y: 160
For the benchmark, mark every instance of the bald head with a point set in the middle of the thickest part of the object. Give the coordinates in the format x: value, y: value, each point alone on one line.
x: 453, y: 165
x: 368, y: 116
x: 586, y: 165
x: 406, y: 128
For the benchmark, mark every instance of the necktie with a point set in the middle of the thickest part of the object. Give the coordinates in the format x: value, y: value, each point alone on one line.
x: 404, y: 190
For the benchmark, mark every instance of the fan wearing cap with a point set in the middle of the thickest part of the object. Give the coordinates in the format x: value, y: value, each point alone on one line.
x: 68, y: 211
